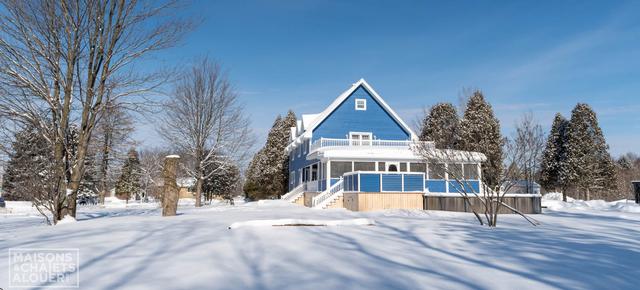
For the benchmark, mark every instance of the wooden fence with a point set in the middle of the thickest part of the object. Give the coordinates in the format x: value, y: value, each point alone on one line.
x: 525, y: 204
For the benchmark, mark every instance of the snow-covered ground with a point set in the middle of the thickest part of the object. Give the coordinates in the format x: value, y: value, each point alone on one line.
x: 580, y: 245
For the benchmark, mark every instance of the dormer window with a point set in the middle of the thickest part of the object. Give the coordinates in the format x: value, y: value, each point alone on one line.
x: 361, y: 104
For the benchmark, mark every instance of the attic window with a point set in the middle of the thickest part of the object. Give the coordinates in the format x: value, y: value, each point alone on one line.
x: 361, y: 104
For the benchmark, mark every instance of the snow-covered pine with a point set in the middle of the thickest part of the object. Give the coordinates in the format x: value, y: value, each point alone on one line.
x: 479, y: 131
x: 27, y: 172
x: 440, y: 125
x: 224, y: 180
x: 590, y: 166
x: 129, y: 183
x: 553, y: 170
x: 267, y: 176
x: 288, y: 122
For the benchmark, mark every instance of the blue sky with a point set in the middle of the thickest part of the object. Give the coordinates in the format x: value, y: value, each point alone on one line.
x: 539, y: 56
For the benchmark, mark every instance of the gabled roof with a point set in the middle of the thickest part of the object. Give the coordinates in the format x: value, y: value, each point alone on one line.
x: 311, y: 121
x: 336, y: 103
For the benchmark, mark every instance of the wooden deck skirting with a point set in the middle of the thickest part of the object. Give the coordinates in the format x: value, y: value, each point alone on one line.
x: 525, y: 204
x: 367, y: 201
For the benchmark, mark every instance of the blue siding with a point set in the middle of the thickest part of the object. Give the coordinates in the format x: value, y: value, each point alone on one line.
x: 470, y: 187
x: 355, y: 182
x: 413, y: 183
x: 298, y: 163
x: 436, y: 185
x: 375, y: 119
x: 369, y: 182
x: 334, y: 181
x: 392, y: 182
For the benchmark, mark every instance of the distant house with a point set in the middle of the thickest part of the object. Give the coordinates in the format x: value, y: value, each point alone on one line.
x: 187, y: 187
x: 357, y: 154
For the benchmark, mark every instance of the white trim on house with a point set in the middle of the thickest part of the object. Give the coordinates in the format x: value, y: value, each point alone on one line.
x: 361, y: 104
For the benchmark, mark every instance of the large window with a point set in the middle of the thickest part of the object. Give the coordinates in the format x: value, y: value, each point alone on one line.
x: 360, y: 138
x: 471, y: 171
x: 314, y: 172
x: 418, y: 167
x: 339, y: 168
x: 382, y: 166
x: 403, y: 167
x: 455, y: 171
x: 364, y: 166
x: 436, y: 171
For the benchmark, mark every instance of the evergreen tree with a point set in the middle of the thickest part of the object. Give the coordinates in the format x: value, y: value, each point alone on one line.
x: 27, y: 174
x: 479, y: 131
x: 267, y: 175
x: 129, y: 183
x: 288, y: 122
x: 441, y: 126
x: 252, y: 187
x: 223, y: 181
x: 590, y: 166
x: 553, y: 172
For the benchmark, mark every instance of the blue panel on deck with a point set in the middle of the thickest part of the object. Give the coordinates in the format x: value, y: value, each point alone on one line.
x: 369, y: 182
x: 413, y: 183
x: 375, y: 119
x: 436, y: 185
x: 392, y: 182
x: 355, y: 182
x: 469, y: 186
x: 334, y: 181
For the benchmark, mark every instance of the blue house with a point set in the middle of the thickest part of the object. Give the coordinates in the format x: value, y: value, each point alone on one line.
x: 359, y: 154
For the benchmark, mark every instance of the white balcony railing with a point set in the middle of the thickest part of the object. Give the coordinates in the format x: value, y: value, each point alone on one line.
x: 356, y: 144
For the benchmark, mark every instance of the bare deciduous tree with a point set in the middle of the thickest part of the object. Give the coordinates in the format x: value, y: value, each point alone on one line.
x: 206, y: 122
x: 491, y: 200
x: 524, y: 151
x: 60, y: 59
x: 112, y: 133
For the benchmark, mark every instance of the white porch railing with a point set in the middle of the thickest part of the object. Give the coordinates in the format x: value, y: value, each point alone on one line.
x: 323, y: 199
x: 294, y: 193
x: 358, y: 144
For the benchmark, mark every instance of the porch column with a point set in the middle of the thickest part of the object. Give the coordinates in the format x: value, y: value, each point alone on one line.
x: 328, y: 174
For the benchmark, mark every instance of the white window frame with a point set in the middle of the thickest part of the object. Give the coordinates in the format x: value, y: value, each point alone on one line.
x: 358, y: 141
x: 362, y: 102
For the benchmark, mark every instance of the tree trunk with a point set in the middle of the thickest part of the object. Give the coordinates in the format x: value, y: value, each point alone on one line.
x: 587, y: 194
x: 170, y: 188
x: 199, y: 190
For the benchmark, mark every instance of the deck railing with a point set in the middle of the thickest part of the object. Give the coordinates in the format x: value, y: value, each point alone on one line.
x: 294, y: 193
x: 359, y: 144
x: 324, y: 198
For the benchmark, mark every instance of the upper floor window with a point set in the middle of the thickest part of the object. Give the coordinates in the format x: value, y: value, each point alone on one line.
x: 361, y: 104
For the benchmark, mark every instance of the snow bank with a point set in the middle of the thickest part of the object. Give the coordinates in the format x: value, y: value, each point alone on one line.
x: 66, y: 220
x: 553, y: 201
x: 302, y: 222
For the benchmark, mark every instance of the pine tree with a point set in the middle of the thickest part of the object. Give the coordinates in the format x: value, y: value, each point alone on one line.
x: 288, y: 122
x: 129, y: 183
x: 479, y: 131
x: 441, y: 126
x: 590, y: 166
x: 27, y: 174
x: 223, y: 181
x: 267, y: 175
x: 553, y: 172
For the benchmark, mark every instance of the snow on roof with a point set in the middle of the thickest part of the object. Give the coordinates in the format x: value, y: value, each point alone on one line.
x: 307, y: 120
